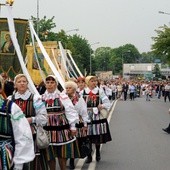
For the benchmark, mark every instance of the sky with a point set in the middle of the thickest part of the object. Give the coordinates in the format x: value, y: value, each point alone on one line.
x: 112, y: 23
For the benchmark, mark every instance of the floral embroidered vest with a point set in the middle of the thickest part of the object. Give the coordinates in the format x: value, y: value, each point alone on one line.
x: 26, y: 105
x: 53, y: 105
x: 91, y: 99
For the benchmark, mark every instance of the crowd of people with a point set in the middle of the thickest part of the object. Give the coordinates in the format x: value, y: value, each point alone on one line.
x: 123, y: 90
x: 71, y: 116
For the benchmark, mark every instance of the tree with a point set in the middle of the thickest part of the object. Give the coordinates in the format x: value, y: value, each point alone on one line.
x: 103, y: 59
x: 80, y: 52
x: 162, y: 42
x: 147, y: 57
x: 157, y: 71
x: 44, y: 28
x: 125, y: 54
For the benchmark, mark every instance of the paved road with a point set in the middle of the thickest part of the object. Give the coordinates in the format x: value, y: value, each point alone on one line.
x: 138, y: 140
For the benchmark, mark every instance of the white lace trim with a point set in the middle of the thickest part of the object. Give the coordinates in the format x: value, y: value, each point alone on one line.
x: 54, y: 95
x: 23, y: 96
x: 94, y: 91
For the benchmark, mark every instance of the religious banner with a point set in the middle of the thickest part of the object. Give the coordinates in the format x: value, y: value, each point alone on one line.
x: 9, y: 62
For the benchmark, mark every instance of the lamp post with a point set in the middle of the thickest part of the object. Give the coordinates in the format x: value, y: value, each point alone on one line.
x: 161, y: 12
x: 38, y: 6
x: 90, y: 55
x: 76, y: 29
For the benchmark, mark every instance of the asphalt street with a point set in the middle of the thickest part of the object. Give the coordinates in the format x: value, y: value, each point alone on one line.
x: 138, y: 142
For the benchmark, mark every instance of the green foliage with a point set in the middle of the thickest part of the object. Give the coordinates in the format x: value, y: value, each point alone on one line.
x: 61, y: 36
x: 125, y: 54
x: 103, y: 59
x: 157, y: 71
x: 80, y: 52
x: 147, y: 57
x: 161, y: 44
x: 44, y: 28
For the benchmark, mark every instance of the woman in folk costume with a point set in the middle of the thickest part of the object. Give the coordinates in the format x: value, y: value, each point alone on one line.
x: 81, y: 84
x: 16, y: 142
x: 81, y: 108
x: 35, y: 112
x: 98, y: 130
x: 62, y: 118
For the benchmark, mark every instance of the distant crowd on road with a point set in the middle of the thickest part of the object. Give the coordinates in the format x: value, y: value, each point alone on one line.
x: 130, y: 89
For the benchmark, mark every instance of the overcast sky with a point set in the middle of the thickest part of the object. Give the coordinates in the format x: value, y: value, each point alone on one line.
x: 113, y: 23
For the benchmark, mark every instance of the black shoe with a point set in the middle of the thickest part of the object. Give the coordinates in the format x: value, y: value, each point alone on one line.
x: 72, y: 167
x: 98, y: 153
x: 72, y: 164
x: 89, y: 159
x: 98, y: 158
x: 166, y: 130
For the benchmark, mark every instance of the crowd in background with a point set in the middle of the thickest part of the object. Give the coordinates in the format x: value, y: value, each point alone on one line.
x: 130, y: 89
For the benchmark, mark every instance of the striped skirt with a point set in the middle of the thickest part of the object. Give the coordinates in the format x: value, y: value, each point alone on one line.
x: 6, y: 154
x: 98, y: 131
x: 70, y: 150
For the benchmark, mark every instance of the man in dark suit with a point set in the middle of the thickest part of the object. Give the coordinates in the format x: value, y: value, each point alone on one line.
x: 125, y: 88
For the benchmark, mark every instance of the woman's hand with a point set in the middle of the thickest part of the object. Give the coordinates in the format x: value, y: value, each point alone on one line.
x: 84, y: 129
x: 100, y: 106
x: 29, y: 120
x: 73, y: 132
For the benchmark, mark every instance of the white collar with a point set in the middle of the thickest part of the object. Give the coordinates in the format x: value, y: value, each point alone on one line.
x: 94, y: 91
x: 52, y: 95
x: 23, y: 96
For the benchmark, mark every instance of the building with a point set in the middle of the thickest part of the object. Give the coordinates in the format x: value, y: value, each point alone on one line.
x: 142, y: 70
x: 104, y: 75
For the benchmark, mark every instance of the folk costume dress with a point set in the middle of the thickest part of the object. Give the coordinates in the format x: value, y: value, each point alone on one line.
x: 81, y: 109
x: 16, y: 142
x: 98, y: 128
x: 80, y: 91
x: 62, y: 117
x: 32, y: 106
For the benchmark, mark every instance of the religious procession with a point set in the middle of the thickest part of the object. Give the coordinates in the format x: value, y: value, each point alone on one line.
x: 45, y: 113
x: 51, y: 114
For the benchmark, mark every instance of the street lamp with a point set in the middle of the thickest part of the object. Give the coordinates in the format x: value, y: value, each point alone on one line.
x: 90, y: 54
x: 161, y: 12
x: 76, y: 29
x: 38, y: 6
